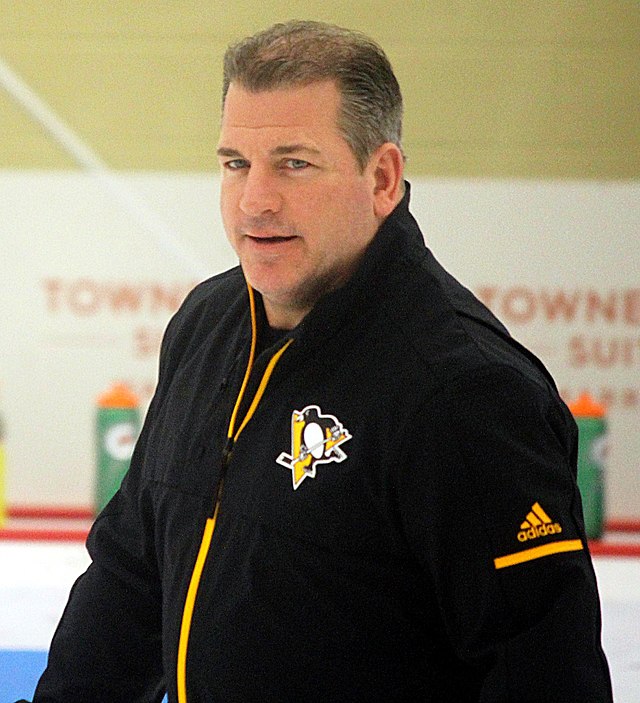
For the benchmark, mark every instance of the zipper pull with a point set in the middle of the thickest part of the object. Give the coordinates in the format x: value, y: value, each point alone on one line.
x: 227, y: 453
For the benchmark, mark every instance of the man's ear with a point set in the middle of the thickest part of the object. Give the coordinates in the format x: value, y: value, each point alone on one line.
x: 387, y: 168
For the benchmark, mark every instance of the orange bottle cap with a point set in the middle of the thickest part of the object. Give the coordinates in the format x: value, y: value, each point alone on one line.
x: 118, y: 396
x: 586, y: 406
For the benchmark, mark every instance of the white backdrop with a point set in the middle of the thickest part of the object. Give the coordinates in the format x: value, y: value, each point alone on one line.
x: 93, y: 266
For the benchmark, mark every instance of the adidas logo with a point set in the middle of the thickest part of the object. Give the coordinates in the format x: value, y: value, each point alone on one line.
x: 537, y: 524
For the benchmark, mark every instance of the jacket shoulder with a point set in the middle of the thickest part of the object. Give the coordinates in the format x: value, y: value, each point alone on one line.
x: 205, y: 307
x: 212, y: 294
x: 451, y: 332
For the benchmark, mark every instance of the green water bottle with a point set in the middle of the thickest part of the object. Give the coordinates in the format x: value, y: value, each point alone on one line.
x: 117, y: 429
x: 592, y: 447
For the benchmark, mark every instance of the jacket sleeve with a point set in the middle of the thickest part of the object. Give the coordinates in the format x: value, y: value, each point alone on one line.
x: 107, y: 646
x: 492, y: 511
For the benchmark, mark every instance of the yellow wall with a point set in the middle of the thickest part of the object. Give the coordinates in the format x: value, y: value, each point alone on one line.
x: 505, y: 88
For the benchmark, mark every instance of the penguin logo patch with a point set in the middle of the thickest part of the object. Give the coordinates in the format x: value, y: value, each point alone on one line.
x: 315, y: 439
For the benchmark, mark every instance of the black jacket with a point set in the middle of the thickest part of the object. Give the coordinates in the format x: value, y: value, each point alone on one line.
x: 397, y: 521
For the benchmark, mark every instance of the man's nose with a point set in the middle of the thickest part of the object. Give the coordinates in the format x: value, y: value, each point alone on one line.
x: 260, y: 193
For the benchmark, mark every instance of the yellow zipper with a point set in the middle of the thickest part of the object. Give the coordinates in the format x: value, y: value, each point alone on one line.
x: 210, y: 525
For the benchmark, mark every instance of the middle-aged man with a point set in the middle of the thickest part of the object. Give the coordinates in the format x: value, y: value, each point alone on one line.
x: 352, y: 484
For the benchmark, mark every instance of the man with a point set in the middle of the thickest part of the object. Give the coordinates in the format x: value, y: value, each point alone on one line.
x: 352, y: 484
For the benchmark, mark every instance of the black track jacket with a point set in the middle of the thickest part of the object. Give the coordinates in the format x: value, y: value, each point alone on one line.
x: 386, y: 512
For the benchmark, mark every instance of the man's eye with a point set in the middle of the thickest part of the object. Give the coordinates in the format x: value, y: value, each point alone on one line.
x: 236, y: 164
x: 296, y: 164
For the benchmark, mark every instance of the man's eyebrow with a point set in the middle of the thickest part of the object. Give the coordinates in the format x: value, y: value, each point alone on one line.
x: 294, y: 149
x: 231, y: 153
x: 277, y: 151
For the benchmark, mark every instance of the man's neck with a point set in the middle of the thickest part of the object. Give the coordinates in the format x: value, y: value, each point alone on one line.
x: 284, y: 318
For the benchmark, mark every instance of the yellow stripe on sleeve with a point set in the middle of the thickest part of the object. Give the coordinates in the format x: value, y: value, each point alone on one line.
x: 567, y: 545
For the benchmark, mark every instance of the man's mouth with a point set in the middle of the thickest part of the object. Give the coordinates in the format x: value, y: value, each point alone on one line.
x: 269, y: 240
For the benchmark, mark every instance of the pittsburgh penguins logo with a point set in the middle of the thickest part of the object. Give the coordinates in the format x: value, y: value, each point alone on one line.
x: 315, y: 439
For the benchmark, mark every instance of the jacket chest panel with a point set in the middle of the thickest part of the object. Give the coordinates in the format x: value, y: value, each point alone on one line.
x: 312, y: 466
x: 189, y: 428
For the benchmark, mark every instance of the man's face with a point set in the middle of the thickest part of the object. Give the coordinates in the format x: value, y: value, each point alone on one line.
x: 296, y: 207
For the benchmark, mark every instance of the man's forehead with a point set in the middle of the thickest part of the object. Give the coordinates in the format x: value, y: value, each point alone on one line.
x: 273, y: 139
x: 311, y: 104
x: 301, y: 119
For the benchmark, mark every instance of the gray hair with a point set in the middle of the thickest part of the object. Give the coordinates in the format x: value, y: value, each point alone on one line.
x: 298, y: 53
